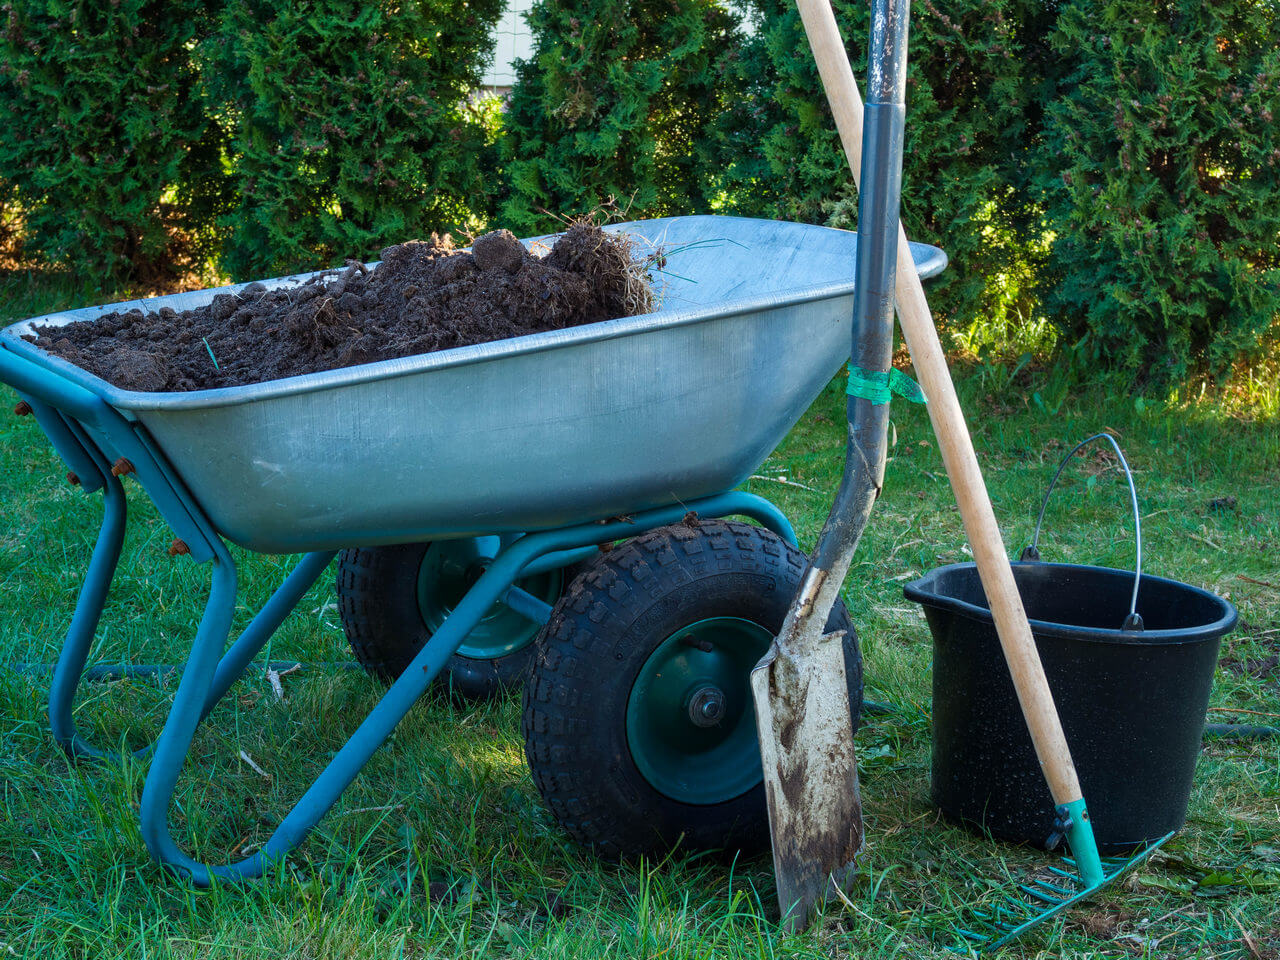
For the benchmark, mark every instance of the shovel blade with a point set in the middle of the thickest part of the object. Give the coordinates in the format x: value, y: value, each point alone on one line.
x: 804, y: 722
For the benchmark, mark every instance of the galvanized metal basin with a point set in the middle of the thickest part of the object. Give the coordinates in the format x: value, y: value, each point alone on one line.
x: 524, y: 434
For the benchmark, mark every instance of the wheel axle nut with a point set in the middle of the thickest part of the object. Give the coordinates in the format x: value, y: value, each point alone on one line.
x: 178, y: 549
x: 22, y: 408
x: 707, y: 706
x: 121, y: 467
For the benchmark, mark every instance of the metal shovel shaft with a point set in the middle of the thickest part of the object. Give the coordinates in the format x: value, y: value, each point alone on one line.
x: 802, y: 708
x: 872, y: 346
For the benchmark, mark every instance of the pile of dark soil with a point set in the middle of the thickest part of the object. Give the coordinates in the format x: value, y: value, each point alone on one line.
x: 423, y: 296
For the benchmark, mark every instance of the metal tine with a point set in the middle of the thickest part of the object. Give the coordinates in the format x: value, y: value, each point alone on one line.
x: 1056, y: 891
x: 998, y: 924
x: 1108, y: 862
x: 1007, y: 918
x: 1016, y: 915
x: 1007, y: 915
x: 1002, y: 921
x: 1052, y: 899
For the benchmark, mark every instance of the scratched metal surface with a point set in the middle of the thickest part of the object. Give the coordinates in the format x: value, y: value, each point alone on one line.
x: 522, y: 434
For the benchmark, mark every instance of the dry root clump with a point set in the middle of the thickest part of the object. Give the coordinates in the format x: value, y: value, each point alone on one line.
x: 611, y: 263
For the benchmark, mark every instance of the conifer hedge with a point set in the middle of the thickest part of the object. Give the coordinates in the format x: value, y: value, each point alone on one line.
x: 9, y: 224
x: 1159, y: 170
x: 107, y: 135
x: 615, y: 103
x: 1120, y: 158
x: 965, y: 106
x: 353, y: 126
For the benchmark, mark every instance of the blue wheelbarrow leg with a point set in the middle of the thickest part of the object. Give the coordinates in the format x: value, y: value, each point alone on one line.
x: 196, y: 684
x: 265, y: 623
x: 84, y: 624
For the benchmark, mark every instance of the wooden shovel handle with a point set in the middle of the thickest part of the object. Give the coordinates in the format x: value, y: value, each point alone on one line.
x: 953, y: 435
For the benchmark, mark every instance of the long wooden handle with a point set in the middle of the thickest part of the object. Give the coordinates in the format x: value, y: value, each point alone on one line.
x: 953, y: 434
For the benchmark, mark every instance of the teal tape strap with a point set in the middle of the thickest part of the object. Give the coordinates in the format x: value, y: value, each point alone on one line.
x: 878, y: 387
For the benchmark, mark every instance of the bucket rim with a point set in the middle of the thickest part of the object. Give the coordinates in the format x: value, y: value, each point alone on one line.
x: 923, y: 591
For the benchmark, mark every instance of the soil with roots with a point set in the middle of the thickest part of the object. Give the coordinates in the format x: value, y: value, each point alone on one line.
x: 422, y: 297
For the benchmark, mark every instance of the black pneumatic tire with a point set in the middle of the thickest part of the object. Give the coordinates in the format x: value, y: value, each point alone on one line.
x: 378, y: 604
x: 616, y: 618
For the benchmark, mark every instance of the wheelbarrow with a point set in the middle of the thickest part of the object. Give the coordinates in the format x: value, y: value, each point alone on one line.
x: 457, y: 480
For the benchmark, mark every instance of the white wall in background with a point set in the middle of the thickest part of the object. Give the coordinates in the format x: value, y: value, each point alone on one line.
x: 514, y: 42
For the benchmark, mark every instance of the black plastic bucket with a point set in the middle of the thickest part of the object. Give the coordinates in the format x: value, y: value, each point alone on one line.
x: 1132, y: 704
x: 1131, y: 691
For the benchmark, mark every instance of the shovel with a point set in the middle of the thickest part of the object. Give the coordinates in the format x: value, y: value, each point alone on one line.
x: 803, y: 714
x: 812, y: 785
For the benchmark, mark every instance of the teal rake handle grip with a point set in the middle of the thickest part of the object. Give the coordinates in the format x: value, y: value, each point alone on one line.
x: 1083, y: 845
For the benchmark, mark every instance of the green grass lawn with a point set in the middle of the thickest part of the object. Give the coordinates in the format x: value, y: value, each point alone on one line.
x: 442, y: 847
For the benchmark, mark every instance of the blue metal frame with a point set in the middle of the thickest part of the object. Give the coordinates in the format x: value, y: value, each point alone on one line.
x: 90, y: 435
x: 69, y: 670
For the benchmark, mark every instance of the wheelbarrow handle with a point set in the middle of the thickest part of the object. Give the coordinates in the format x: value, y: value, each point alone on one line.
x: 955, y: 443
x: 58, y: 392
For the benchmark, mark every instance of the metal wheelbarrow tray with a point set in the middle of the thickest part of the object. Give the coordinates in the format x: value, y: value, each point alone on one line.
x: 556, y: 441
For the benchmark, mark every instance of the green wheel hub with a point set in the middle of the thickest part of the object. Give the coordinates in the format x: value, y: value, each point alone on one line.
x: 448, y: 571
x: 691, y: 725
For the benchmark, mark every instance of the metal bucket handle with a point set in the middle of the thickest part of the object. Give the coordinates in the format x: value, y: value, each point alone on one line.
x: 1031, y: 552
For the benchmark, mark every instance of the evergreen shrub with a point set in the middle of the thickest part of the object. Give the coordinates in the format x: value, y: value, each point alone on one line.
x: 1160, y: 171
x: 353, y: 126
x: 966, y: 100
x: 107, y: 135
x: 614, y: 105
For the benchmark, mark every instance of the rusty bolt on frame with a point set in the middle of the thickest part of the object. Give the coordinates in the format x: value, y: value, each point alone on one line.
x: 73, y: 479
x: 121, y: 467
x: 178, y: 549
x: 22, y: 408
